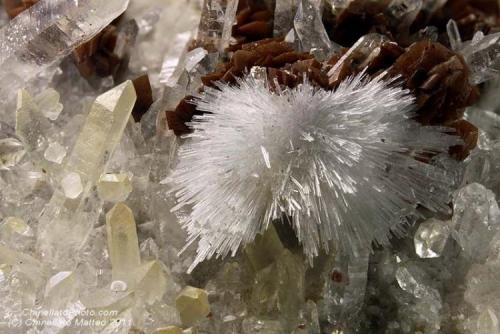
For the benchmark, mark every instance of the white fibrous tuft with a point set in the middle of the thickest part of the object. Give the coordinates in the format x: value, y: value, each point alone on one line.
x: 342, y: 167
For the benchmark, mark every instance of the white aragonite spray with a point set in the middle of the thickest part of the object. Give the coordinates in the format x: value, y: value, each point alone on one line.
x: 342, y: 166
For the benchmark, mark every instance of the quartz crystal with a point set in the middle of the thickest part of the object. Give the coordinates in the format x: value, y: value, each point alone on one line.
x: 431, y: 237
x: 481, y: 53
x: 55, y: 152
x: 314, y: 194
x: 475, y: 220
x: 48, y: 102
x: 71, y: 185
x: 64, y: 225
x: 11, y: 152
x: 122, y: 242
x: 310, y: 29
x: 114, y: 187
x: 216, y: 23
x: 192, y: 304
x: 61, y: 25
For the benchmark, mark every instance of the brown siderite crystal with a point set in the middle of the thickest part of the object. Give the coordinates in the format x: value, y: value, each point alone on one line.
x: 254, y: 21
x: 144, y: 96
x: 96, y: 56
x: 469, y: 134
x: 436, y: 76
x: 361, y: 17
x: 471, y: 16
x: 15, y: 7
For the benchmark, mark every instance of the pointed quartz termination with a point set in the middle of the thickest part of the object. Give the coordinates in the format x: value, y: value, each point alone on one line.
x: 45, y: 33
x: 216, y: 23
x: 362, y: 51
x: 70, y: 214
x: 31, y: 124
x: 122, y: 243
x: 310, y: 30
x: 482, y: 53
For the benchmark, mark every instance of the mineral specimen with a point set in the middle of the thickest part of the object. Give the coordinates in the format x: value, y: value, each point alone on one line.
x: 94, y: 145
x: 60, y: 26
x: 344, y: 152
x: 114, y: 187
x: 273, y: 162
x: 192, y: 304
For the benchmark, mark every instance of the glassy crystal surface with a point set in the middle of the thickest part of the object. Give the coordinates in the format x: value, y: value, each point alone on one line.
x: 114, y: 187
x: 310, y: 29
x: 122, y: 243
x: 192, y: 304
x: 71, y: 185
x: 481, y: 53
x: 48, y: 102
x: 11, y: 152
x: 431, y: 237
x: 55, y: 152
x: 475, y: 220
x: 61, y: 25
x: 65, y: 224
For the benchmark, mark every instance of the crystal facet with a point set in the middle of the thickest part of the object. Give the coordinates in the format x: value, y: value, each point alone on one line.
x: 192, y: 304
x: 431, y: 237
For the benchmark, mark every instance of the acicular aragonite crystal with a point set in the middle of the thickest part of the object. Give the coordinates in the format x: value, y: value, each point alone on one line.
x: 437, y: 76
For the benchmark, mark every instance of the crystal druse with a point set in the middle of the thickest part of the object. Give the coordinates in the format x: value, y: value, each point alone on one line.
x: 248, y: 166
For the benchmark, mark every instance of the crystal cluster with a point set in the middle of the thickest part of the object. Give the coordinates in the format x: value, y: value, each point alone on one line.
x: 243, y: 166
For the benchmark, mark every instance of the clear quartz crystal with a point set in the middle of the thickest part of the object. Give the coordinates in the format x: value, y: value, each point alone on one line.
x: 123, y: 244
x: 431, y: 237
x: 481, y: 53
x: 410, y: 279
x: 48, y: 102
x: 11, y: 152
x: 72, y: 185
x: 55, y: 152
x: 310, y: 29
x: 365, y: 47
x: 47, y: 32
x: 114, y: 187
x: 65, y: 222
x: 31, y: 125
x: 170, y: 70
x: 476, y: 218
x: 217, y: 19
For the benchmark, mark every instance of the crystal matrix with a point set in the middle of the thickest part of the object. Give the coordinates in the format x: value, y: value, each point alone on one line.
x: 227, y: 95
x: 47, y: 32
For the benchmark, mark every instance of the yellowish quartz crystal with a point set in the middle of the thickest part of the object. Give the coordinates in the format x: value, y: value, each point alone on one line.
x: 192, y: 304
x: 14, y: 225
x: 168, y: 330
x: 69, y: 216
x: 122, y: 243
x: 114, y: 187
